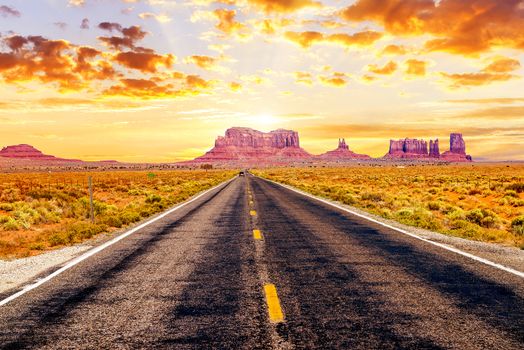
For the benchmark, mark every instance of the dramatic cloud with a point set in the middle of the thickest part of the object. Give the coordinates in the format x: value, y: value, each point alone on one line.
x: 51, y: 61
x: 309, y: 38
x: 388, y: 69
x: 6, y: 11
x: 465, y: 27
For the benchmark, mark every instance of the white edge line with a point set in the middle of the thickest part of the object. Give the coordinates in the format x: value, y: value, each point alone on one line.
x: 443, y: 246
x: 107, y: 244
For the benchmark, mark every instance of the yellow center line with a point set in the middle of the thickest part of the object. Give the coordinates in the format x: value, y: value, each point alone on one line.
x: 250, y: 202
x: 257, y: 234
x: 252, y: 212
x: 273, y: 304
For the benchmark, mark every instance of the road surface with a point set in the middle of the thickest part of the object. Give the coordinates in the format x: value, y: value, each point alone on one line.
x: 253, y: 265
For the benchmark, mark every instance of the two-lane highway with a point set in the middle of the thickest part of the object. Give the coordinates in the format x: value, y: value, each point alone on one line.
x: 253, y: 265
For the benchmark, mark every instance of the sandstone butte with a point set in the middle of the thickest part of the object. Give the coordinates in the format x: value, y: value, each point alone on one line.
x: 249, y: 146
x: 342, y: 153
x: 280, y: 147
x: 29, y: 152
x: 418, y: 149
x: 240, y: 144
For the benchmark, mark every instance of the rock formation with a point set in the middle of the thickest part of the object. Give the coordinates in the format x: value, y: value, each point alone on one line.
x: 407, y: 148
x: 434, y: 151
x: 245, y: 144
x: 457, y: 149
x: 342, y: 153
x: 27, y: 152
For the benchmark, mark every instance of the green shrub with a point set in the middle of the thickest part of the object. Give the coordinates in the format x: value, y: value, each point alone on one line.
x: 434, y: 206
x: 153, y: 198
x: 475, y: 216
x: 11, y: 225
x: 511, y: 193
x: 6, y: 207
x: 373, y: 197
x: 517, y: 225
x: 517, y: 187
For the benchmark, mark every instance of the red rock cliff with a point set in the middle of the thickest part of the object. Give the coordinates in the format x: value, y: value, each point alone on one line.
x: 250, y: 144
x: 407, y: 148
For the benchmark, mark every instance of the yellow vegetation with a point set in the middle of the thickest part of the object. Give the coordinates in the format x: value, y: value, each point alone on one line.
x: 41, y: 211
x: 479, y: 202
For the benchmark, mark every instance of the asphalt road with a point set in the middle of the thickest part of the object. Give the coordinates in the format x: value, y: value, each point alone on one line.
x: 312, y: 276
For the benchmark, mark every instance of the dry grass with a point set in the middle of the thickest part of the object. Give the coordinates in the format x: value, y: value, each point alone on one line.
x: 40, y: 211
x: 479, y: 202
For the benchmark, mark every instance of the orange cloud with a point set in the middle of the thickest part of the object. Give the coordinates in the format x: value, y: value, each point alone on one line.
x: 205, y: 62
x: 337, y: 79
x: 466, y: 27
x: 303, y: 78
x: 416, y: 67
x: 305, y: 39
x: 270, y: 26
x: 151, y: 89
x: 394, y: 50
x: 235, y: 87
x: 388, y: 69
x: 283, y: 5
x: 308, y: 38
x: 226, y: 21
x: 144, y: 61
x: 475, y: 79
x: 502, y: 65
x: 497, y: 71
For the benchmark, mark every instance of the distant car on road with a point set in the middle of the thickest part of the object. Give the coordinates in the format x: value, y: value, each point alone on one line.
x: 242, y: 173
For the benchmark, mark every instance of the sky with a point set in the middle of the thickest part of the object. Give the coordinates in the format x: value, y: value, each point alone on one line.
x: 159, y: 80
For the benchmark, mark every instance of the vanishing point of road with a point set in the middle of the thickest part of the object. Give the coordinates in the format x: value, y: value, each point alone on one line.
x: 252, y: 265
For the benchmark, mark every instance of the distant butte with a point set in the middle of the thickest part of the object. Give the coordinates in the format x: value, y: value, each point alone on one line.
x: 29, y: 152
x: 342, y: 152
x: 248, y: 147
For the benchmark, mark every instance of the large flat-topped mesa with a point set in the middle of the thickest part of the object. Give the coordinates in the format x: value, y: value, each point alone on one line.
x: 27, y: 152
x: 249, y: 144
x: 408, y: 148
x: 246, y: 137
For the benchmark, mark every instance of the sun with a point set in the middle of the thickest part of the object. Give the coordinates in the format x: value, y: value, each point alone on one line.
x: 263, y: 120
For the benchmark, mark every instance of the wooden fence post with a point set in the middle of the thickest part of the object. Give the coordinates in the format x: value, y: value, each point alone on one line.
x: 91, y: 206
